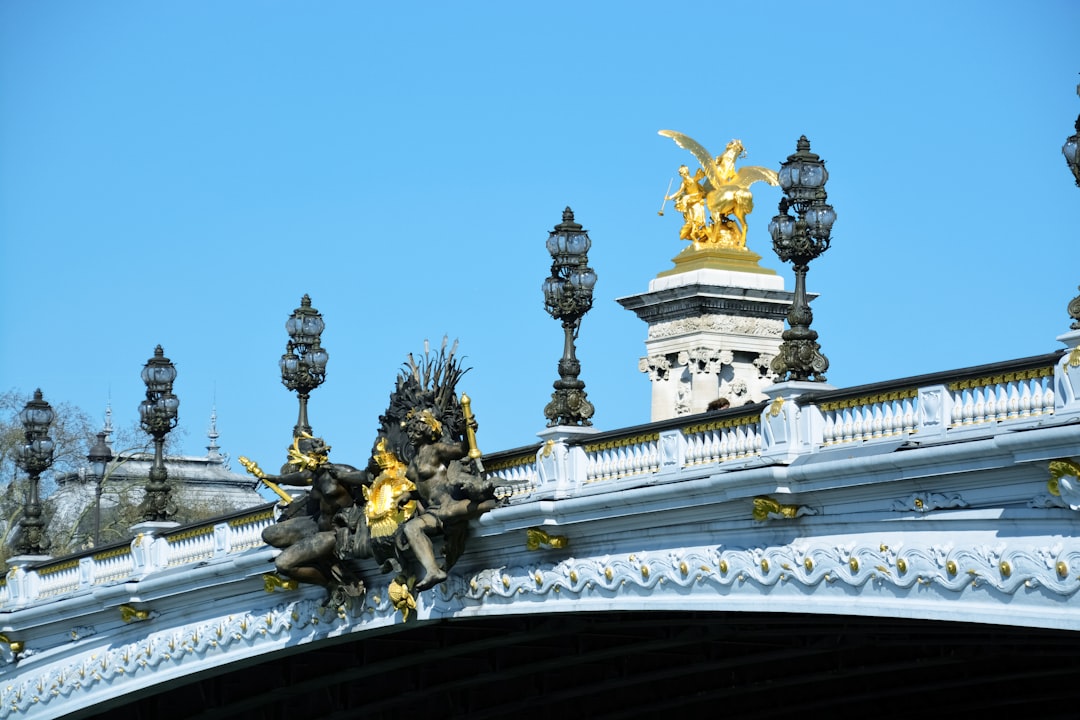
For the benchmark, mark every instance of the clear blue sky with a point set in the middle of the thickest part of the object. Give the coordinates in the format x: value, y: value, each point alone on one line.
x: 183, y: 172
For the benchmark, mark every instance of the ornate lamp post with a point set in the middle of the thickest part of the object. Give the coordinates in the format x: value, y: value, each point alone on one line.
x: 157, y: 415
x: 801, y: 239
x: 303, y: 366
x: 568, y: 295
x: 99, y: 458
x: 34, y: 456
x: 1071, y: 150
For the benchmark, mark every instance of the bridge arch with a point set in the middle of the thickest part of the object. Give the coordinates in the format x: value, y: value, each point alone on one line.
x: 640, y: 664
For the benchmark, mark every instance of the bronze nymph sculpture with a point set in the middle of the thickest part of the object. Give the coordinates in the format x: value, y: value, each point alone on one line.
x: 448, y: 493
x: 423, y: 483
x: 307, y: 529
x: 433, y: 434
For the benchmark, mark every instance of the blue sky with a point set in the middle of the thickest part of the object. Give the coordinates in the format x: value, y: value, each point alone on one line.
x: 182, y: 173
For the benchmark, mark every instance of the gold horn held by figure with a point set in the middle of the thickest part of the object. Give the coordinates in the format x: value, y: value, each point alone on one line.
x: 470, y: 433
x: 253, y: 468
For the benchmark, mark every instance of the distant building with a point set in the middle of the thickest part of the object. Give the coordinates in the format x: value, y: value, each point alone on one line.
x: 202, y: 487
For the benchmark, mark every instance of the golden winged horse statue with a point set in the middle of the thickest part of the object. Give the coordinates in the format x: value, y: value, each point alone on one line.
x: 726, y: 193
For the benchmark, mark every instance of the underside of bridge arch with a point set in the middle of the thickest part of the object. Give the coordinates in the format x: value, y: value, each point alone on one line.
x: 640, y: 664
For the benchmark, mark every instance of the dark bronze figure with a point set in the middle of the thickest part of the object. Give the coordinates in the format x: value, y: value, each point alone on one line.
x: 448, y: 494
x: 307, y: 530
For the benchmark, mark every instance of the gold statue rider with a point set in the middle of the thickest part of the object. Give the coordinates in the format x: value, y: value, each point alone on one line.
x: 725, y: 193
x: 690, y: 201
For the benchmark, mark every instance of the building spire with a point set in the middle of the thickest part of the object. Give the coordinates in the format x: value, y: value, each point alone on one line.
x: 108, y: 428
x: 213, y: 451
x: 212, y: 433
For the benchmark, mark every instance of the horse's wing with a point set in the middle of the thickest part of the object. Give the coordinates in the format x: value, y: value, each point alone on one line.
x: 688, y: 143
x: 750, y: 174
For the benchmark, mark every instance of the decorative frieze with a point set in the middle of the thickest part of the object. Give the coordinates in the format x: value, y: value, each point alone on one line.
x: 823, y: 573
x: 727, y: 324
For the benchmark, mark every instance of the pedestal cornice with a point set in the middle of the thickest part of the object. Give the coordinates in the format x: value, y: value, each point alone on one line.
x: 675, y: 303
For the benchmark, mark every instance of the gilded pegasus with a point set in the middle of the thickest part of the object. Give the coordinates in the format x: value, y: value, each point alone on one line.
x: 727, y: 188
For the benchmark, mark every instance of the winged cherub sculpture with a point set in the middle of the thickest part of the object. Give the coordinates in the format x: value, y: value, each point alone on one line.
x: 725, y: 192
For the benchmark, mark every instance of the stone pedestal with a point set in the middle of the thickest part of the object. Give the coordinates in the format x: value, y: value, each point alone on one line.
x: 715, y: 322
x: 563, y: 468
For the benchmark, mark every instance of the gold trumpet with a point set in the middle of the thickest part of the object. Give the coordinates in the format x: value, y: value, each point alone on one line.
x: 253, y: 467
x: 474, y: 452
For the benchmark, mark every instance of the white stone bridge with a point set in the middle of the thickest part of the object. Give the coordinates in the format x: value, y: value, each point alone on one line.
x: 908, y: 546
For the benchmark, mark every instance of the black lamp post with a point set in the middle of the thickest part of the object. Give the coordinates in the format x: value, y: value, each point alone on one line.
x: 568, y: 295
x: 1071, y: 151
x: 303, y: 366
x: 801, y: 239
x: 158, y: 413
x: 34, y: 456
x: 99, y: 458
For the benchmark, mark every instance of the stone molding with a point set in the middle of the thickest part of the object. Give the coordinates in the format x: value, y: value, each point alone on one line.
x: 727, y: 324
x: 871, y: 574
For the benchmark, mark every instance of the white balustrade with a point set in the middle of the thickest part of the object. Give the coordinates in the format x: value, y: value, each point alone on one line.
x: 515, y: 477
x: 613, y: 459
x: 112, y: 565
x: 866, y: 418
x: 58, y: 579
x: 998, y: 398
x: 118, y: 564
x: 191, y: 546
x: 723, y: 440
x: 246, y: 532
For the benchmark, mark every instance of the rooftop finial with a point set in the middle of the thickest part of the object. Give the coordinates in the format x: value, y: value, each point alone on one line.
x: 212, y: 433
x: 108, y: 427
x: 213, y: 451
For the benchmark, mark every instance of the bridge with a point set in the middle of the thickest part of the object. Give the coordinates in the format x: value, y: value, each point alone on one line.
x: 898, y: 545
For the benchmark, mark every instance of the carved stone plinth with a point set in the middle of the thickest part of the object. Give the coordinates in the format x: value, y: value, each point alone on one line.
x: 715, y: 323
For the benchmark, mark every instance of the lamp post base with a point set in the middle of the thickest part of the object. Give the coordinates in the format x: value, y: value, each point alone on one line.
x: 569, y: 406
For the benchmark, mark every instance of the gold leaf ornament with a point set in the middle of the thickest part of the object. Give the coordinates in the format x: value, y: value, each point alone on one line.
x: 401, y: 597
